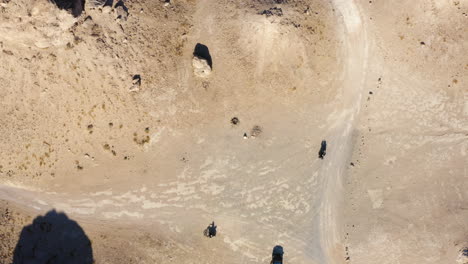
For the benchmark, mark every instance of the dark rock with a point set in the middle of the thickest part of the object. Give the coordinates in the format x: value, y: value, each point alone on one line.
x: 235, y: 121
x: 274, y: 11
x: 136, y: 79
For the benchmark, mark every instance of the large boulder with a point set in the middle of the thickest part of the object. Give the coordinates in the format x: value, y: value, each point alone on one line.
x: 202, y: 62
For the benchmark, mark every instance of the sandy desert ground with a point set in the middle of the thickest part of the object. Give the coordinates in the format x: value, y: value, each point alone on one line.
x: 98, y: 168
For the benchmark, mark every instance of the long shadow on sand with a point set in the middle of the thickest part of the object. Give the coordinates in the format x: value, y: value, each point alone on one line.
x: 53, y: 239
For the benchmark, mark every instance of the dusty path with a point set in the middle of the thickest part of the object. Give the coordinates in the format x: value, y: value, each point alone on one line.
x: 355, y: 60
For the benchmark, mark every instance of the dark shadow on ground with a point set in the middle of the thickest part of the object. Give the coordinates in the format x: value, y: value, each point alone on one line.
x: 76, y: 6
x: 53, y: 239
x: 109, y: 3
x: 122, y: 4
x: 203, y: 52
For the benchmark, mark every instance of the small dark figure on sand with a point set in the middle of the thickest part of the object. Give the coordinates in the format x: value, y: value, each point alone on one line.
x: 323, y: 149
x: 277, y: 255
x: 212, y: 230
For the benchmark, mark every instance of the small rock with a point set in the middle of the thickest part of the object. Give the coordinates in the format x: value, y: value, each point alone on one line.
x: 136, y: 79
x: 136, y: 83
x: 235, y: 121
x: 201, y: 68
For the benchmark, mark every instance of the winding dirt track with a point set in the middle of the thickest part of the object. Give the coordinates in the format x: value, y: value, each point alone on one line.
x: 355, y: 52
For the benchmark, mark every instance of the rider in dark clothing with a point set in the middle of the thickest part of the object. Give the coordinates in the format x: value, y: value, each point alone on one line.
x: 323, y: 149
x: 212, y: 230
x: 277, y: 255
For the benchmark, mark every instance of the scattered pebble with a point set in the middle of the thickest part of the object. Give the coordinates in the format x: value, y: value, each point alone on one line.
x: 136, y: 79
x: 274, y: 11
x: 78, y: 166
x: 235, y: 121
x: 136, y: 83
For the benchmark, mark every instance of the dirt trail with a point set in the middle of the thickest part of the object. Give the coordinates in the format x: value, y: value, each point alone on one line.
x: 355, y: 60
